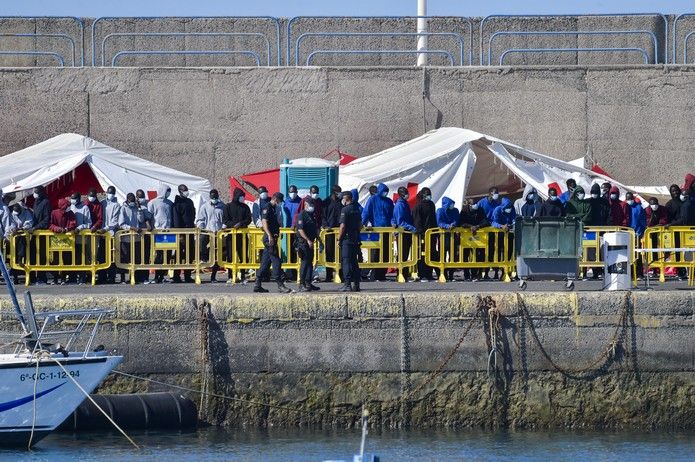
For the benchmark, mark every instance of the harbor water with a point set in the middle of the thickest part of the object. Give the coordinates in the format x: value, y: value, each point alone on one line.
x: 215, y: 444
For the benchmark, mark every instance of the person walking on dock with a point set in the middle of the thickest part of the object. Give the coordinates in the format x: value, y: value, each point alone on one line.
x: 271, y: 255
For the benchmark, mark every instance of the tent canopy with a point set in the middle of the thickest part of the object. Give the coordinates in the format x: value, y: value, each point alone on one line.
x: 71, y: 162
x: 458, y: 163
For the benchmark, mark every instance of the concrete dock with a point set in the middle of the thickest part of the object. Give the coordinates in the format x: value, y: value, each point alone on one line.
x: 583, y: 359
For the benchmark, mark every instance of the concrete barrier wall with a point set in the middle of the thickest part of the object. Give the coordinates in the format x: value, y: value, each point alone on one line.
x: 619, y: 360
x: 472, y: 41
x: 635, y: 121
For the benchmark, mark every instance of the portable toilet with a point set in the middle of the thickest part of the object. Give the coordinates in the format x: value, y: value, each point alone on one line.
x: 306, y: 172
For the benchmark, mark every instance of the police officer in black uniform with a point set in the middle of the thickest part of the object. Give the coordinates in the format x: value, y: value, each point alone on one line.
x: 307, y: 236
x: 349, y: 239
x: 271, y: 255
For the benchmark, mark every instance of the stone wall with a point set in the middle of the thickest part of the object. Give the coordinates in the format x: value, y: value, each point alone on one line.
x: 607, y: 360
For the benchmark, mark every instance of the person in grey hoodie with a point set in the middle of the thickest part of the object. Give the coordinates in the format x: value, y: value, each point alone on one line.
x: 110, y: 216
x: 83, y: 218
x: 161, y: 210
x: 210, y: 219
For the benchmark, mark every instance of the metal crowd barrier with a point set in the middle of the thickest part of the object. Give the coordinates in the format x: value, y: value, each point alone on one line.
x: 77, y: 21
x: 381, y: 251
x: 569, y: 32
x: 164, y: 250
x: 184, y: 52
x: 380, y: 52
x: 672, y: 237
x: 292, y: 21
x: 460, y: 248
x: 241, y: 249
x: 592, y: 247
x: 674, y: 39
x: 378, y: 34
x: 488, y: 19
x: 46, y: 251
x: 275, y: 21
x: 571, y: 50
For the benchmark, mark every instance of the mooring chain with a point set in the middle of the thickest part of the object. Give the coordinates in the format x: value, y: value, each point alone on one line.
x: 608, y: 352
x: 494, y: 325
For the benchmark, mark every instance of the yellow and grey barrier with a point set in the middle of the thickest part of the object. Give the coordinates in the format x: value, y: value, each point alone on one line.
x: 461, y: 248
x: 592, y: 250
x: 76, y: 251
x: 672, y: 237
x: 380, y: 250
x: 241, y: 249
x: 171, y: 249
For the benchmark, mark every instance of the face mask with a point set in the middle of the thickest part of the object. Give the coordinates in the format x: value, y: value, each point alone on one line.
x: 131, y: 204
x: 385, y: 194
x: 344, y: 203
x: 142, y: 200
x: 428, y: 198
x: 36, y: 195
x: 110, y: 196
x: 552, y: 198
x: 594, y: 196
x: 614, y: 196
x: 654, y: 206
x: 314, y: 195
x: 570, y: 189
x: 507, y: 210
x: 530, y: 197
x: 214, y: 201
x: 630, y: 202
x: 310, y: 208
x: 580, y: 196
x: 293, y: 195
x: 264, y: 195
x: 495, y: 196
x: 15, y: 213
x: 451, y: 206
x: 184, y: 193
x: 92, y: 198
x: 474, y: 207
x: 604, y: 191
x: 406, y: 197
x: 73, y: 201
x: 684, y: 197
x: 242, y: 199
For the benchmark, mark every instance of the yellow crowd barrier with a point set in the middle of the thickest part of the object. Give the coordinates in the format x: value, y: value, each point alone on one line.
x: 44, y: 251
x: 460, y: 248
x: 165, y: 250
x: 672, y: 237
x: 241, y: 249
x: 382, y: 248
x: 592, y: 247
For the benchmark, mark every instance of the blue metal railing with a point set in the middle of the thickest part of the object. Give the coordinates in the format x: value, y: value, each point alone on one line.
x: 685, y: 46
x: 569, y: 32
x: 645, y: 55
x: 379, y: 52
x: 77, y: 21
x: 272, y: 19
x: 184, y: 34
x: 675, y: 37
x: 57, y: 56
x: 487, y: 19
x: 378, y: 34
x: 184, y: 53
x: 62, y: 36
x: 395, y: 18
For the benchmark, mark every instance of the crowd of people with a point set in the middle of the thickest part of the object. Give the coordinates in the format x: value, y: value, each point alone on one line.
x: 341, y: 210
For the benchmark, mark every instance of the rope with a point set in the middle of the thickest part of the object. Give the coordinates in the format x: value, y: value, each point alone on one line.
x: 79, y: 387
x: 230, y: 398
x: 608, y: 352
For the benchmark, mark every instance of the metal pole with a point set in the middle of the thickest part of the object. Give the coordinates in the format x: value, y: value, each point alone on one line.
x: 422, y: 29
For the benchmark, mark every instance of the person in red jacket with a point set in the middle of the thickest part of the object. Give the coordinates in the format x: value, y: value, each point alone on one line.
x: 619, y: 211
x: 657, y: 215
x: 62, y: 221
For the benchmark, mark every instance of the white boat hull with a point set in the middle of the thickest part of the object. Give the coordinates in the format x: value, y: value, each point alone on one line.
x: 56, y: 395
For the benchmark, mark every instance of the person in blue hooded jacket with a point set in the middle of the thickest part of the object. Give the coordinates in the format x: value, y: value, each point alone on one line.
x: 503, y: 218
x: 448, y: 218
x: 403, y: 218
x: 378, y: 213
x: 490, y: 202
x: 638, y: 222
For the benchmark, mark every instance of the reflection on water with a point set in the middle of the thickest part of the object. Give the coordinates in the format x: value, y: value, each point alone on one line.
x: 214, y: 444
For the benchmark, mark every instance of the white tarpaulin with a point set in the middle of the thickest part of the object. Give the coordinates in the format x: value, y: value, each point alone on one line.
x: 458, y: 163
x: 53, y: 159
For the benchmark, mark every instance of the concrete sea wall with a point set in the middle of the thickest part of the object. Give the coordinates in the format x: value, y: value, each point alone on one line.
x: 636, y: 121
x: 575, y: 360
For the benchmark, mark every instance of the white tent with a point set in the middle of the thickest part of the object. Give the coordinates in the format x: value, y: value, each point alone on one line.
x: 458, y: 163
x: 62, y: 159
